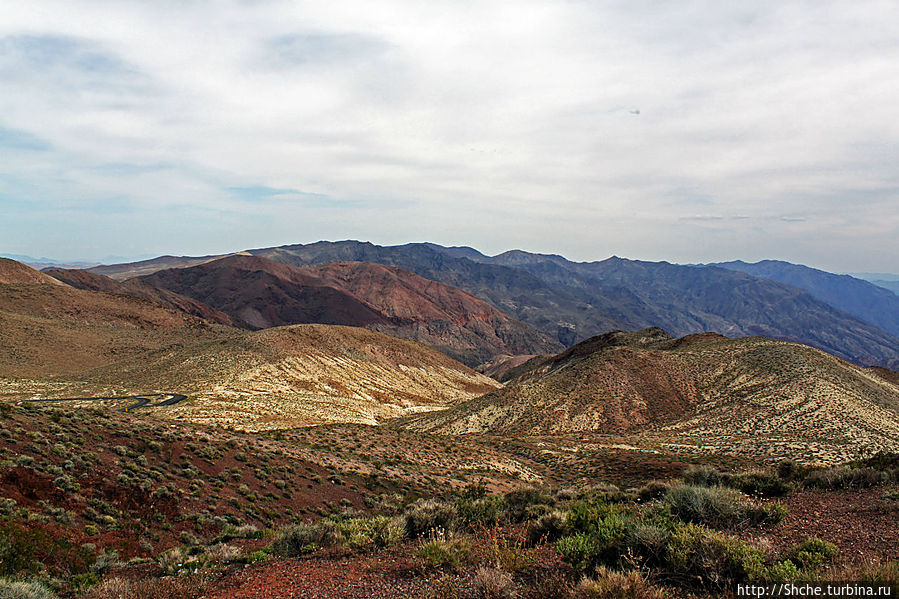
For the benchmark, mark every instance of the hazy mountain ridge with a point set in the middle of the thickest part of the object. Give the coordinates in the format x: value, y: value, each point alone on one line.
x: 858, y: 297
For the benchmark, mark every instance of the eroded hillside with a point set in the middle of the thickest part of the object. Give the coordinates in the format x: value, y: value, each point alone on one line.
x: 753, y: 395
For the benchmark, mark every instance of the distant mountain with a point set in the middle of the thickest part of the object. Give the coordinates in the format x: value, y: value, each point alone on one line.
x: 455, y: 322
x: 874, y: 276
x: 570, y: 301
x: 855, y: 296
x: 129, y: 270
x: 888, y: 285
x: 705, y: 389
x: 82, y: 279
x: 689, y: 299
x: 265, y: 293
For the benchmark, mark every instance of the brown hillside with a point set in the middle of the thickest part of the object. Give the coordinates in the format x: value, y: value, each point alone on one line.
x: 754, y: 394
x: 55, y: 330
x: 886, y: 374
x: 442, y: 316
x: 14, y: 273
x: 122, y: 272
x: 83, y: 279
x: 292, y: 376
x: 264, y: 294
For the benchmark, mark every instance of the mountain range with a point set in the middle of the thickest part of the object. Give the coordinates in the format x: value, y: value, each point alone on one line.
x: 571, y: 301
x: 60, y: 341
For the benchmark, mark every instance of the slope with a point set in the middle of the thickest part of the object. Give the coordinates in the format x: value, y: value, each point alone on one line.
x: 298, y: 375
x: 444, y: 317
x: 689, y: 299
x: 14, y: 273
x: 50, y: 329
x: 82, y: 279
x: 757, y: 396
x: 263, y: 293
x: 388, y: 299
x: 860, y: 298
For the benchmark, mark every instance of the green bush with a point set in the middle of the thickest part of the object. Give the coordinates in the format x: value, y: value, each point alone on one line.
x: 705, y: 476
x: 813, y: 553
x: 28, y: 550
x: 600, y: 540
x: 783, y: 571
x: 479, y: 511
x: 519, y: 503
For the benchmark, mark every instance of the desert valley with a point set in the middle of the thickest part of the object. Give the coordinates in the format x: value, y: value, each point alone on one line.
x: 342, y: 419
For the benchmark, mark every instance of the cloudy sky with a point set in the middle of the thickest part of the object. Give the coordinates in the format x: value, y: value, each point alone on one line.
x: 679, y: 130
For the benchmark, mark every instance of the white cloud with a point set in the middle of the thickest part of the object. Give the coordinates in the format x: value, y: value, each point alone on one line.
x: 764, y: 130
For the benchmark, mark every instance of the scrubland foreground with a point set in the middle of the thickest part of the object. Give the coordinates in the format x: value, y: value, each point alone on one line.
x: 103, y: 504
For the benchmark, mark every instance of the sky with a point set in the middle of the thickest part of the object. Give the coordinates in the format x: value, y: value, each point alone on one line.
x: 687, y: 131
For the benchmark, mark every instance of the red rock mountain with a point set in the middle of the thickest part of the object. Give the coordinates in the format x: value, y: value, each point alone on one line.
x: 388, y: 299
x: 82, y: 279
x: 264, y: 294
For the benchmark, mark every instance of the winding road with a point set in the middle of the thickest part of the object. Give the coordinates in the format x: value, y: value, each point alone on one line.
x: 150, y: 400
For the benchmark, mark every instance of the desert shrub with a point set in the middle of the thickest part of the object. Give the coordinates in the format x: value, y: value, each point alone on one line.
x: 842, y: 477
x: 22, y: 589
x: 302, y: 539
x: 28, y: 550
x: 714, y: 558
x: 429, y: 515
x: 760, y: 484
x: 479, y: 511
x: 705, y: 476
x: 171, y: 561
x: 719, y: 507
x: 177, y: 587
x: 508, y: 553
x: 491, y: 583
x: 870, y: 571
x: 788, y: 470
x: 609, y: 584
x: 654, y: 489
x: 442, y: 551
x: 813, y: 553
x: 884, y: 461
x: 106, y: 562
x: 518, y: 503
x: 784, y: 571
x: 222, y: 553
x: 376, y: 532
x: 548, y: 528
